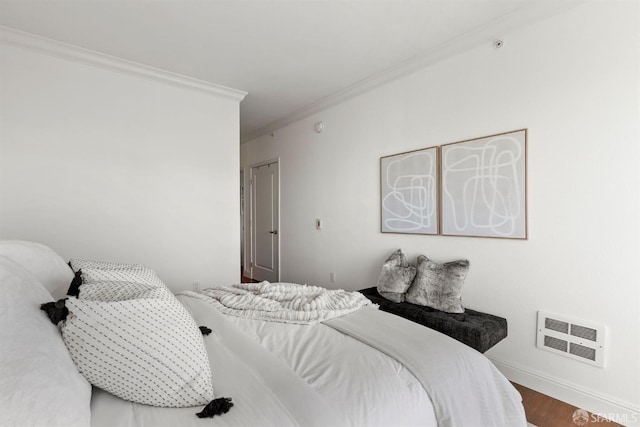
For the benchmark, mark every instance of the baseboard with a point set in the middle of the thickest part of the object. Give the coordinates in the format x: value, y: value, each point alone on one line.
x: 601, y: 405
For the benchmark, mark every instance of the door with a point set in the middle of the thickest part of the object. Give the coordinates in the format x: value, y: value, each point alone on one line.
x: 265, y: 222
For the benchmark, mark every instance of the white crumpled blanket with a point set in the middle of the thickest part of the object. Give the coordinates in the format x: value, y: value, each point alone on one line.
x: 285, y: 302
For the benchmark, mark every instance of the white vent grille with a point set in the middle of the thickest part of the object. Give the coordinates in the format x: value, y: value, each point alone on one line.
x: 577, y: 339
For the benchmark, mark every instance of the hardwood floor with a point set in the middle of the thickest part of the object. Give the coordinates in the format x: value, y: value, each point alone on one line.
x: 545, y: 411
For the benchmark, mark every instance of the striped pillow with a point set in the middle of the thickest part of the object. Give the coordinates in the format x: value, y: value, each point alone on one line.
x: 118, y: 285
x: 145, y: 350
x: 79, y: 264
x: 136, y: 275
x: 120, y: 291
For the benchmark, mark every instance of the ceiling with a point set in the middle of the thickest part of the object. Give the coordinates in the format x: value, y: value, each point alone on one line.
x: 291, y: 56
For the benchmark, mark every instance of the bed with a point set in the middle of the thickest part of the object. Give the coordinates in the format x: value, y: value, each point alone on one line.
x: 365, y: 368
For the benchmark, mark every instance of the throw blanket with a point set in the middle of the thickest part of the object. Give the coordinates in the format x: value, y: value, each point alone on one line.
x: 285, y: 302
x: 465, y: 387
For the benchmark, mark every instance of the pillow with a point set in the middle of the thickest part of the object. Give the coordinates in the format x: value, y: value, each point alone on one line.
x: 439, y: 285
x: 396, y: 277
x: 142, y: 275
x: 117, y: 285
x: 130, y: 336
x: 120, y: 291
x: 39, y: 383
x: 145, y: 350
x: 43, y: 262
x: 80, y: 264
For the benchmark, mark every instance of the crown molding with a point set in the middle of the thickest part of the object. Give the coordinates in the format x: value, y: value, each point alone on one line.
x: 13, y: 37
x: 520, y: 18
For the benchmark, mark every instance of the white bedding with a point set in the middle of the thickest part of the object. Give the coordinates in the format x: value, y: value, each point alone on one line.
x: 38, y: 379
x: 284, y: 374
x: 367, y: 368
x: 318, y: 375
x: 466, y: 389
x: 368, y: 386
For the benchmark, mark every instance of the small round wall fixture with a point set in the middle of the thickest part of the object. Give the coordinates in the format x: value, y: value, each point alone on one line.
x: 318, y: 126
x: 498, y: 44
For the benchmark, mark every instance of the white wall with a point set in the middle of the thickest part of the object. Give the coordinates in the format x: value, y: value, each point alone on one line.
x: 572, y: 80
x: 104, y: 165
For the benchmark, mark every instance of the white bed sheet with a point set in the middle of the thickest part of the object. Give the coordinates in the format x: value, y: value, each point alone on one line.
x: 282, y: 374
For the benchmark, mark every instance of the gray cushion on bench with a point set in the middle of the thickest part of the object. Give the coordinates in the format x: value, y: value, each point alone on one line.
x: 476, y: 329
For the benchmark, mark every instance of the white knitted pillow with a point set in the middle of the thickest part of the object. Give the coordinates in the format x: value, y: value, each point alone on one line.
x: 145, y: 350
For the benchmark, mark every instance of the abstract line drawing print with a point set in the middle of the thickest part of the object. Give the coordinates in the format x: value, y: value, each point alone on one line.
x: 409, y: 192
x: 483, y: 187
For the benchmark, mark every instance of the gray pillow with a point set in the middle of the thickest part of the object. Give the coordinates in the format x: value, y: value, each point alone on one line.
x: 439, y: 285
x: 396, y: 277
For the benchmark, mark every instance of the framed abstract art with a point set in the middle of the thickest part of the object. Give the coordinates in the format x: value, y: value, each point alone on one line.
x: 484, y: 186
x: 409, y: 192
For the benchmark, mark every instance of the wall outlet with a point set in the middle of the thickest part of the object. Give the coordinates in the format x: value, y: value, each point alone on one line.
x: 332, y: 277
x: 196, y: 286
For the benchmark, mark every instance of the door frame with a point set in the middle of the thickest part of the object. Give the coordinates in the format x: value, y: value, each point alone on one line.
x: 248, y: 217
x: 243, y: 257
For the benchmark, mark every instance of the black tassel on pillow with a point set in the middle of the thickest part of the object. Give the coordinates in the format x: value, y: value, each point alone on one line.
x: 74, y: 288
x: 57, y: 311
x: 217, y: 406
x: 205, y: 330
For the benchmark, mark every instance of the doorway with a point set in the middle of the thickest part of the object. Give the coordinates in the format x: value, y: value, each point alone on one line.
x: 263, y: 247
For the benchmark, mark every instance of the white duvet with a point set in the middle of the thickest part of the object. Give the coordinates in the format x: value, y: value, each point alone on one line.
x: 303, y: 375
x: 286, y: 375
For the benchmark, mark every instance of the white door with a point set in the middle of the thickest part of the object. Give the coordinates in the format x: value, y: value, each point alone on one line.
x: 265, y: 223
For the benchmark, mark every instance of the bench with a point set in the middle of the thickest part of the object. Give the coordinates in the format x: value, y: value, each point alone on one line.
x: 473, y: 328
